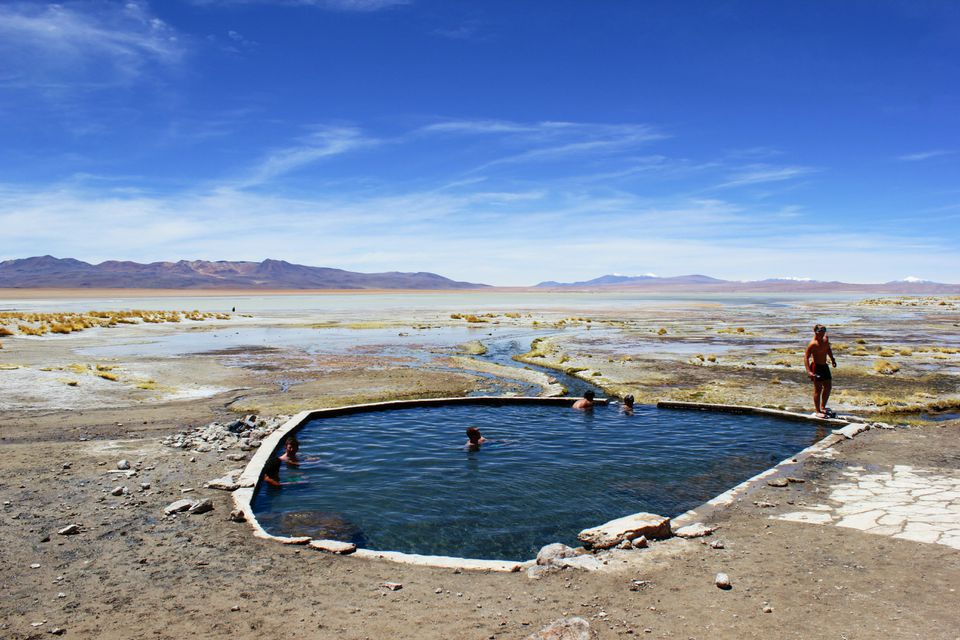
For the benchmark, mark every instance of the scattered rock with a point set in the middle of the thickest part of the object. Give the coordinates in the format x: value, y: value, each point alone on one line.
x: 226, y: 483
x: 333, y: 546
x: 58, y: 631
x: 717, y: 544
x: 123, y: 465
x: 764, y: 505
x: 237, y: 516
x: 795, y: 480
x: 66, y: 465
x: 585, y: 563
x: 640, y: 585
x: 70, y: 530
x: 537, y: 571
x: 611, y: 533
x: 202, y: 506
x: 392, y: 586
x: 117, y: 491
x: 640, y: 543
x: 778, y: 482
x: 723, y: 581
x: 144, y: 486
x: 565, y: 629
x: 625, y: 544
x: 695, y: 530
x: 554, y: 551
x: 236, y: 457
x: 35, y: 565
x: 767, y: 609
x: 178, y: 506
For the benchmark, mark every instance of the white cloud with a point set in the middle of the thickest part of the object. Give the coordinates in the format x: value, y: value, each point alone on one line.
x: 925, y: 155
x: 323, y: 142
x: 82, y: 43
x: 759, y: 174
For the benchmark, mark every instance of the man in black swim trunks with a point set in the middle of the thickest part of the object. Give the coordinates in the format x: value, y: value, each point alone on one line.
x: 815, y: 362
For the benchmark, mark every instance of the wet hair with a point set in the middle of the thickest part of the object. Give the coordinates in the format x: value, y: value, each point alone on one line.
x: 271, y: 468
x: 473, y: 434
x: 589, y: 395
x: 628, y: 400
x: 817, y: 328
x: 293, y: 443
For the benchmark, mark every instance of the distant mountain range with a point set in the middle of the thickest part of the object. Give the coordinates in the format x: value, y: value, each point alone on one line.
x: 66, y: 273
x: 701, y: 283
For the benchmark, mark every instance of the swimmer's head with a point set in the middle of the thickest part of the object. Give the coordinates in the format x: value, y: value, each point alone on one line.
x: 819, y: 329
x: 292, y: 445
x: 628, y: 400
x: 589, y: 395
x: 473, y: 434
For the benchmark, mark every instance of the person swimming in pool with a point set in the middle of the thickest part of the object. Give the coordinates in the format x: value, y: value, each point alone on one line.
x: 586, y: 402
x: 627, y: 404
x: 271, y: 472
x: 474, y: 439
x: 290, y: 449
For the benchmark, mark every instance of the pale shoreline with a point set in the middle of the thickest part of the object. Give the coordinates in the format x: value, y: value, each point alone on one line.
x: 34, y: 294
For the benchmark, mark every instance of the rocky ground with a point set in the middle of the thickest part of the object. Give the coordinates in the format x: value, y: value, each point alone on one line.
x: 131, y: 570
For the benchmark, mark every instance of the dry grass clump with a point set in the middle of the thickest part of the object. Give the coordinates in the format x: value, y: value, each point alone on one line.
x: 72, y: 383
x: 885, y: 368
x: 38, y: 324
x: 661, y: 331
x: 711, y: 358
x: 906, y: 352
x: 106, y: 375
x: 783, y: 363
x: 887, y: 353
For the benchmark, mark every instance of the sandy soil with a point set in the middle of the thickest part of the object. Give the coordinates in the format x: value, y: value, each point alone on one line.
x: 133, y: 572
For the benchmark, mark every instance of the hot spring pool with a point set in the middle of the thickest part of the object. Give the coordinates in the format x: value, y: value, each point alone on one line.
x: 401, y: 479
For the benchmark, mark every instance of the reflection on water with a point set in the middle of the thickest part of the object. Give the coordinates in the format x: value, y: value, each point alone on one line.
x: 404, y: 479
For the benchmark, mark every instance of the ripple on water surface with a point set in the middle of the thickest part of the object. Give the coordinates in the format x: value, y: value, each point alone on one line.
x: 401, y: 480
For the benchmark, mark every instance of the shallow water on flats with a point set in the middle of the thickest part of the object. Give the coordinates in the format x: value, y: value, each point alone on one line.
x: 401, y: 480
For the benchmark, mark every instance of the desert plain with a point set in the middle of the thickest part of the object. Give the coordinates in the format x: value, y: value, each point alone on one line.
x: 75, y: 403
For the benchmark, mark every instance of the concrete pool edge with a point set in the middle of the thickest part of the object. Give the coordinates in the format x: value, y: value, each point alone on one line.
x: 249, y: 479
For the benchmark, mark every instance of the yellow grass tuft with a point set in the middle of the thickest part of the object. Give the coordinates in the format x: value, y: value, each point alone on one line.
x: 5, y: 332
x: 661, y: 331
x: 885, y: 368
x: 109, y: 376
x: 72, y: 383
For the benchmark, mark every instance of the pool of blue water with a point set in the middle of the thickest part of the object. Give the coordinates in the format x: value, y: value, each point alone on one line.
x: 402, y: 480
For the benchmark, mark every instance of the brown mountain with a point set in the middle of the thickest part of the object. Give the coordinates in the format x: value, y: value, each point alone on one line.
x: 67, y: 273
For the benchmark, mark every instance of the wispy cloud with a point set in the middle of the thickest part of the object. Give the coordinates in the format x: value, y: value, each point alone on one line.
x: 333, y: 5
x: 323, y: 142
x: 759, y: 174
x: 82, y: 43
x: 925, y: 155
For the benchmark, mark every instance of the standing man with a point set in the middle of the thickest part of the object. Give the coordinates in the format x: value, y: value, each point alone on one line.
x: 815, y: 362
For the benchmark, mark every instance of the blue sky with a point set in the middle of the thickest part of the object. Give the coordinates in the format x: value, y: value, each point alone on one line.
x: 505, y: 142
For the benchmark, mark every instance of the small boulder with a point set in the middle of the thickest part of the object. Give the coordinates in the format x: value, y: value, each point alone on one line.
x: 565, y: 629
x: 178, y: 506
x: 226, y: 483
x: 611, y: 533
x: 696, y: 530
x: 237, y: 516
x: 640, y: 543
x: 123, y: 465
x: 583, y: 563
x: 117, y: 491
x: 333, y: 546
x: 69, y: 530
x: 554, y: 551
x: 723, y: 581
x: 392, y: 586
x: 202, y: 506
x: 778, y: 482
